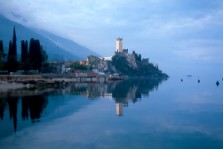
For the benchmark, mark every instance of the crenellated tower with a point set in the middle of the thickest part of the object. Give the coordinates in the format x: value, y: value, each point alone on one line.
x: 119, y: 45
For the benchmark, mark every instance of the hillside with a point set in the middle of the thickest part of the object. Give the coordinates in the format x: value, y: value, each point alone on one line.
x: 57, y: 48
x: 68, y: 45
x: 134, y: 65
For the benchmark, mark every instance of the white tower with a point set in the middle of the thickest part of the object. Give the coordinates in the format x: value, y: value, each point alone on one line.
x: 119, y: 45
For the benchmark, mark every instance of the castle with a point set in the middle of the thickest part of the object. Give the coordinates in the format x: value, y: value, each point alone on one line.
x: 118, y: 49
x: 119, y: 46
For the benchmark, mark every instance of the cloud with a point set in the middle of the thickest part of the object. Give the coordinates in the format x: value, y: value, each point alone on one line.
x: 153, y: 27
x: 152, y: 16
x: 201, y: 50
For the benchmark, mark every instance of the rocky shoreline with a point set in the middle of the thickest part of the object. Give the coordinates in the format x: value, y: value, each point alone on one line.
x: 4, y: 86
x: 18, y: 81
x: 13, y: 82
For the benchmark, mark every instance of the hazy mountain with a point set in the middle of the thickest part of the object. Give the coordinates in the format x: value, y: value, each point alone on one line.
x: 67, y: 44
x: 57, y: 48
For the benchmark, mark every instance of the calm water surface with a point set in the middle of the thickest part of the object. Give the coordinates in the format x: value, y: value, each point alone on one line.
x: 131, y: 114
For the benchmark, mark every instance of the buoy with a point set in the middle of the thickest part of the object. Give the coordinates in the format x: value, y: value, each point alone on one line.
x: 198, y: 81
x: 217, y: 83
x: 181, y: 80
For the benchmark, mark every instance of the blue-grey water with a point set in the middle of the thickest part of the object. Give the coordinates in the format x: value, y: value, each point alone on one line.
x: 137, y: 114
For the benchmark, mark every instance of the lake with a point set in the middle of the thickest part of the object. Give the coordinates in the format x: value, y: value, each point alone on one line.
x: 133, y: 114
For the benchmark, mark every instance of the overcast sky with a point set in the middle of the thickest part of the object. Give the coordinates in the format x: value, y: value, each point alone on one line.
x: 179, y: 35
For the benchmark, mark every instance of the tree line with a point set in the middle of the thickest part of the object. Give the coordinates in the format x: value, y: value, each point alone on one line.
x: 33, y: 56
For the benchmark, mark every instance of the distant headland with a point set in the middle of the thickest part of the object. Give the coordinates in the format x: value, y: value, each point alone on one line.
x: 124, y: 63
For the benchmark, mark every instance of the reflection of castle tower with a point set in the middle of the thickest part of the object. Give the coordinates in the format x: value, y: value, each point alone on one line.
x: 119, y: 45
x: 119, y: 108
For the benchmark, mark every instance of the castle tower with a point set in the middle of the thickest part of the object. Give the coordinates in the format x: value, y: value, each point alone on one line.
x: 119, y: 45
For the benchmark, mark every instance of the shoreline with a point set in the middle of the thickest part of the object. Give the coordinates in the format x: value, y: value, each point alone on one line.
x: 5, y: 86
x: 13, y: 82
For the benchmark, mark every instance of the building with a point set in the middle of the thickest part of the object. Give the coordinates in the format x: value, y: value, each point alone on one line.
x: 119, y: 45
x: 125, y: 51
x: 85, y: 73
x: 107, y: 58
x: 56, y: 67
x: 93, y: 61
x: 83, y: 62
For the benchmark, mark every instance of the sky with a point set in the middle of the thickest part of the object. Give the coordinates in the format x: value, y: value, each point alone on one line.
x: 181, y: 36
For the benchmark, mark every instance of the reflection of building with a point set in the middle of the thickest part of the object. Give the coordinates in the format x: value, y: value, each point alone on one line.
x: 119, y: 108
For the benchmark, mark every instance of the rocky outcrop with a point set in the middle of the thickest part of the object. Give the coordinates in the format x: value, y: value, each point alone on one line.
x: 126, y: 64
x: 134, y: 65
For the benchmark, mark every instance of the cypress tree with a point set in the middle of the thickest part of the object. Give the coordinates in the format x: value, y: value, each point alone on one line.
x: 24, y: 55
x: 10, y: 58
x: 1, y: 46
x: 35, y: 54
x: 14, y: 46
x: 12, y: 54
x: 1, y: 53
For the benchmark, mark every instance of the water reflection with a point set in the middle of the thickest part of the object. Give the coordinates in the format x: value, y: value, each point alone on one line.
x: 178, y: 115
x: 132, y: 91
x: 12, y: 103
x: 122, y: 92
x: 32, y: 107
x: 23, y: 105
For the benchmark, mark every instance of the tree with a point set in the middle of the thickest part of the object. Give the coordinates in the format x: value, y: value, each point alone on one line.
x: 1, y: 64
x: 44, y: 59
x: 44, y: 56
x: 35, y: 54
x: 38, y: 56
x: 1, y: 53
x: 78, y: 66
x: 139, y: 58
x: 133, y: 52
x: 12, y: 59
x: 24, y: 55
x: 123, y: 66
x: 14, y: 46
x: 12, y: 54
x: 1, y: 46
